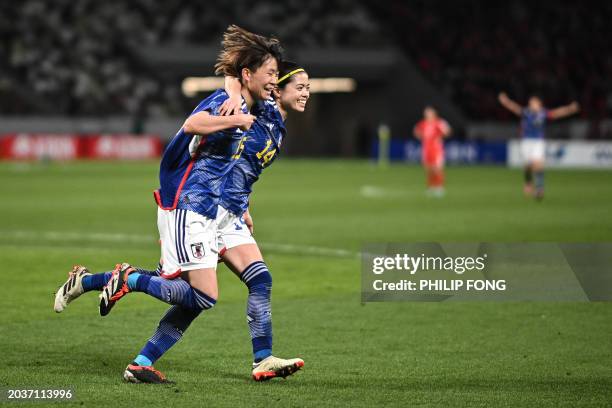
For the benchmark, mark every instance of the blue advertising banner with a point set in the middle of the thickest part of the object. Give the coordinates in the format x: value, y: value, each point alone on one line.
x: 456, y: 152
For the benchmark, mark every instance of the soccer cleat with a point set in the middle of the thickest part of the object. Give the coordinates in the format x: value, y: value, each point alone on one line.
x: 528, y: 190
x: 116, y: 288
x: 144, y: 374
x: 271, y: 367
x: 72, y: 289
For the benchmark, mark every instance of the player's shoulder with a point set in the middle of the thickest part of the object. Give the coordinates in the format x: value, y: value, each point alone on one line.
x: 212, y: 102
x: 269, y: 109
x: 269, y: 106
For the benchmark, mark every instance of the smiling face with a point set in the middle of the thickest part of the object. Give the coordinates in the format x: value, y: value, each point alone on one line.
x: 261, y: 82
x: 296, y: 93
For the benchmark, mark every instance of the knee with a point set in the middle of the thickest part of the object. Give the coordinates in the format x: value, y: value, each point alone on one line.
x: 203, y: 300
x: 207, y: 288
x: 257, y: 274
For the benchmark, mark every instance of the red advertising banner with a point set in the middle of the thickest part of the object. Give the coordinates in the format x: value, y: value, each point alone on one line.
x: 45, y: 146
x: 24, y: 146
x: 127, y: 147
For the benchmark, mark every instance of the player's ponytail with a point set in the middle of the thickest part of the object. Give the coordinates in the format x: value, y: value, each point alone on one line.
x: 243, y: 49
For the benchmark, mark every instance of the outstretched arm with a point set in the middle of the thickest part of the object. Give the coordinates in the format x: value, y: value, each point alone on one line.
x: 510, y: 104
x: 417, y: 132
x: 564, y: 111
x: 203, y: 123
x: 445, y: 128
x: 231, y: 105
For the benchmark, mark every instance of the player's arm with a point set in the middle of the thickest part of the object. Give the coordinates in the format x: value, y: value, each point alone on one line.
x: 232, y: 104
x: 445, y: 129
x: 416, y: 131
x: 203, y: 123
x: 248, y: 220
x: 564, y: 111
x: 510, y: 104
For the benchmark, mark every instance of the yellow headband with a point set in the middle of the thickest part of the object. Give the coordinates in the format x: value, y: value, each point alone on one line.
x: 295, y: 71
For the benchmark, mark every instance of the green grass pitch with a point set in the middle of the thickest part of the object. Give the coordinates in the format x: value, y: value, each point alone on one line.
x: 392, y: 354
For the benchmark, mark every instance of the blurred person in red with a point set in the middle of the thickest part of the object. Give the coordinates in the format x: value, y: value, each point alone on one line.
x: 431, y: 130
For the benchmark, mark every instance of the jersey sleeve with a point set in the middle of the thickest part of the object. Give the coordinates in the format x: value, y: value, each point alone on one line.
x: 212, y: 103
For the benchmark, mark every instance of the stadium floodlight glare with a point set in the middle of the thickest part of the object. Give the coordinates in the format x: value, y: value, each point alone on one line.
x: 332, y: 85
x: 192, y: 85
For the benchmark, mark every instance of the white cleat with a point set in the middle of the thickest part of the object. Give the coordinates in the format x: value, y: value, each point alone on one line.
x: 72, y: 289
x: 271, y: 367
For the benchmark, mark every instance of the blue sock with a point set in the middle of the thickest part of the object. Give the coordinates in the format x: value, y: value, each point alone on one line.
x: 259, y: 316
x: 174, y: 292
x: 170, y: 330
x: 155, y: 272
x: 96, y: 281
x: 133, y: 280
x: 143, y: 360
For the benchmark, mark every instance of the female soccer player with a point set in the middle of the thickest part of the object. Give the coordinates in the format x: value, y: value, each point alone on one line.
x: 430, y: 131
x: 192, y: 173
x: 237, y: 246
x: 533, y: 149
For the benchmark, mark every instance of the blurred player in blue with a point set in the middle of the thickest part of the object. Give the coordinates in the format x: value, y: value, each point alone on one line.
x: 533, y: 148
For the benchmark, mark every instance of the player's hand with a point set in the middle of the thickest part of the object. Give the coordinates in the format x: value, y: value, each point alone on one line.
x: 574, y: 106
x: 248, y: 220
x: 230, y: 106
x: 502, y: 97
x: 244, y: 121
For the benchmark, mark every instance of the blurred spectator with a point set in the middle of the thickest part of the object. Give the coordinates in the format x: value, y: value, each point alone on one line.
x: 78, y: 56
x: 474, y: 49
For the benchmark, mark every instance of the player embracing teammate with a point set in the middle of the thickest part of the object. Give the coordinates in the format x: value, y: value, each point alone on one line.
x: 534, y: 117
x: 196, y: 174
x: 431, y: 131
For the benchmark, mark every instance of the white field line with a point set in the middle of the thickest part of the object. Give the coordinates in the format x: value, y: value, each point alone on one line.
x: 59, y: 236
x: 370, y: 191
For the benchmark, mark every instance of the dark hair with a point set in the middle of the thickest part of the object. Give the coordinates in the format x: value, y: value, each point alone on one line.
x: 243, y: 49
x: 536, y: 96
x: 285, y: 68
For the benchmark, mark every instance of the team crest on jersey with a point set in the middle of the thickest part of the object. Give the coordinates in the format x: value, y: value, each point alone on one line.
x: 197, y: 250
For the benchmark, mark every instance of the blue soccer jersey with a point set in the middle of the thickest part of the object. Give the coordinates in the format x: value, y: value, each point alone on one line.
x: 193, y: 167
x: 262, y: 146
x: 533, y: 124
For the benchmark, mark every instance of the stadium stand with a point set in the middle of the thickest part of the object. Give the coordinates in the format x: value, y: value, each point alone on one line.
x: 78, y: 58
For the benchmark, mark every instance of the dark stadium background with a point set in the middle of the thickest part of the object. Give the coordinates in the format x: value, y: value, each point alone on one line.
x: 92, y: 66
